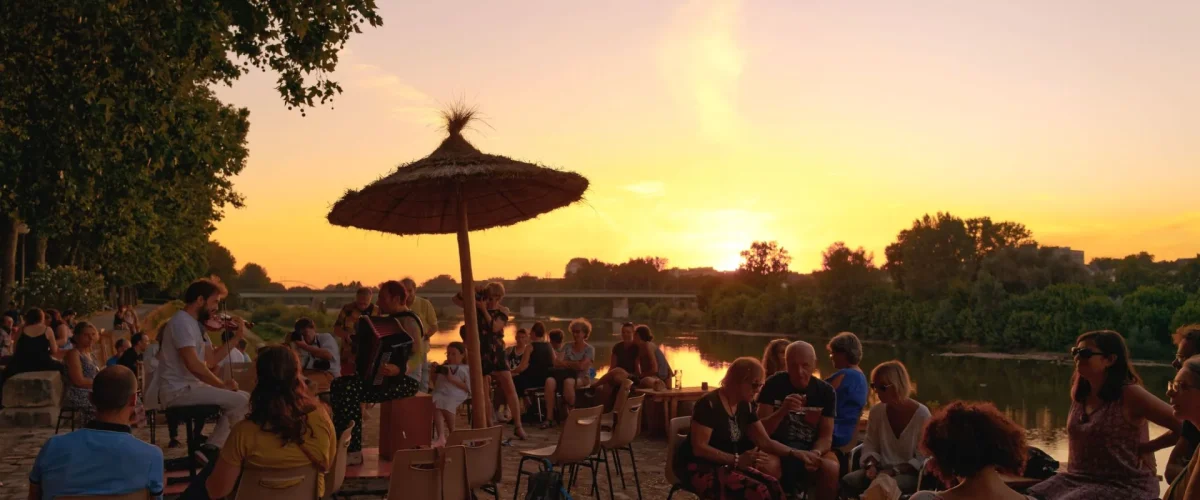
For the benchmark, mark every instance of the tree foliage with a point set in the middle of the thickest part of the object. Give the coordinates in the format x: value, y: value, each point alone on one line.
x: 764, y: 263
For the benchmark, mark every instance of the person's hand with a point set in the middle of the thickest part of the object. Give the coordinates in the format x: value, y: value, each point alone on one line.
x: 793, y: 403
x: 389, y: 370
x: 231, y: 384
x: 239, y: 330
x: 872, y: 472
x: 907, y: 469
x: 747, y: 460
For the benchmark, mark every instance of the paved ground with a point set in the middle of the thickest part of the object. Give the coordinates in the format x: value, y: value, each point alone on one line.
x: 19, y: 448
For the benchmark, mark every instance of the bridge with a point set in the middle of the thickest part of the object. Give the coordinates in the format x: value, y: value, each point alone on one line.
x: 620, y: 298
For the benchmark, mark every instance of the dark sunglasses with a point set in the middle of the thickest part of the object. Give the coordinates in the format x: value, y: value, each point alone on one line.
x: 1084, y: 352
x: 880, y: 387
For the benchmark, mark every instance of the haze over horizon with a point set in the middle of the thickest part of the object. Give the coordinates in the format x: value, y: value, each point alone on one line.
x: 707, y: 125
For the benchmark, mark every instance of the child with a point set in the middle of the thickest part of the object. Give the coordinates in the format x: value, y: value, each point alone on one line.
x: 451, y: 387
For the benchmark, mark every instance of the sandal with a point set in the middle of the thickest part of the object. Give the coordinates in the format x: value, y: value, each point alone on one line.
x: 545, y: 425
x: 520, y: 434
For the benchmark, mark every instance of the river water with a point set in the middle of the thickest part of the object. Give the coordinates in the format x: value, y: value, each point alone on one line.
x: 1035, y: 394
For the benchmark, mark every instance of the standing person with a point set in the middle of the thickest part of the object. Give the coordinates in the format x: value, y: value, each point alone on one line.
x: 285, y: 428
x: 347, y: 320
x: 103, y: 458
x: 798, y: 409
x: 492, y: 318
x: 1187, y: 342
x: 349, y: 394
x: 1107, y: 429
x: 971, y: 445
x: 451, y: 387
x: 183, y: 375
x: 893, y: 433
x: 727, y: 450
x: 81, y: 369
x: 428, y: 314
x: 773, y: 361
x: 850, y: 385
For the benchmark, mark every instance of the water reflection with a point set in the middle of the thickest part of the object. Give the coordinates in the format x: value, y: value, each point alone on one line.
x: 1035, y: 394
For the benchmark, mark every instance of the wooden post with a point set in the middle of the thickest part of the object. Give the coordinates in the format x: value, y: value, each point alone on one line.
x: 479, y: 406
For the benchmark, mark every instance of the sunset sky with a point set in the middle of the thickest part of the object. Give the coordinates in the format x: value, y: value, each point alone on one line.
x: 706, y: 125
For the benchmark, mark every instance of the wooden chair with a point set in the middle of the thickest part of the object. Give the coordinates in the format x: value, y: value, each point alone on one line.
x: 292, y: 483
x: 337, y: 473
x: 629, y: 420
x: 580, y: 439
x: 680, y: 428
x: 483, y: 456
x: 436, y: 474
x: 134, y: 495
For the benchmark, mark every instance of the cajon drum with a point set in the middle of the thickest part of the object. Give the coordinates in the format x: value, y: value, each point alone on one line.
x: 405, y: 424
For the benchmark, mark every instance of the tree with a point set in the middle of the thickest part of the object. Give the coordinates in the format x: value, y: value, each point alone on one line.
x: 941, y: 251
x: 253, y: 277
x: 93, y: 91
x: 1028, y: 268
x: 221, y: 262
x: 845, y: 277
x: 764, y: 263
x: 441, y: 282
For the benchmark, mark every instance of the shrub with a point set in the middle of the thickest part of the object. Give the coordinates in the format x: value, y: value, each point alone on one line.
x: 64, y: 287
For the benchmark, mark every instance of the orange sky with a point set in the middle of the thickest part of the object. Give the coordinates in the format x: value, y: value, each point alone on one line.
x: 706, y: 125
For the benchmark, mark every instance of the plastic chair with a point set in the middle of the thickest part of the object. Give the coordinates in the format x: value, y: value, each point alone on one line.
x: 483, y: 456
x: 436, y: 474
x: 337, y: 473
x: 579, y: 440
x: 680, y: 428
x: 133, y: 495
x: 610, y: 419
x: 292, y: 483
x: 629, y: 422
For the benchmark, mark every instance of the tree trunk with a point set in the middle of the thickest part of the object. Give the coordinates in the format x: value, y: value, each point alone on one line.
x: 40, y: 245
x: 8, y: 257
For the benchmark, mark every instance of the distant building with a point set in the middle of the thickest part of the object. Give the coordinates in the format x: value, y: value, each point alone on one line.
x: 695, y: 272
x: 1075, y: 256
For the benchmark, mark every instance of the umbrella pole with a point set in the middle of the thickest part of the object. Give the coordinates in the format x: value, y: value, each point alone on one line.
x: 478, y: 399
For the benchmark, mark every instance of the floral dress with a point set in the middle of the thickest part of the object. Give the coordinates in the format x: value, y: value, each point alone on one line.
x: 78, y: 397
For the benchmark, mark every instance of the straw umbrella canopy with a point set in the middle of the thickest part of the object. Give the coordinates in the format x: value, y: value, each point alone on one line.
x: 457, y: 189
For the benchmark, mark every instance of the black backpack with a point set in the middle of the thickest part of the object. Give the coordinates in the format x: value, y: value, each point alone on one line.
x: 547, y: 485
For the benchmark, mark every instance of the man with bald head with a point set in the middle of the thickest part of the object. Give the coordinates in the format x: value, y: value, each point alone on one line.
x: 103, y: 458
x: 798, y: 409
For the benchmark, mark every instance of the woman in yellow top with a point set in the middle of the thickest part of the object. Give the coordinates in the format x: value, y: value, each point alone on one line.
x: 285, y: 428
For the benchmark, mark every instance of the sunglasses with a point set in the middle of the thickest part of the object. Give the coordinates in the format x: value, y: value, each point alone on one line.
x: 1084, y: 352
x: 1177, y: 387
x: 880, y: 387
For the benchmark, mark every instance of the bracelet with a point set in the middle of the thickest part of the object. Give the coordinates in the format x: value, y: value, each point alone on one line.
x: 735, y: 460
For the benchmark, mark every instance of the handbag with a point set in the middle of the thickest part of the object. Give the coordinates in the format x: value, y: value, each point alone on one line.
x: 884, y: 487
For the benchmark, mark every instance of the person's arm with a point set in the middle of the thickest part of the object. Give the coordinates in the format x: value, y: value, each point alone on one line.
x: 763, y: 441
x: 53, y: 342
x: 224, y: 476
x: 75, y: 370
x: 700, y: 435
x: 870, y: 445
x: 315, y: 350
x: 35, y: 491
x: 1175, y: 464
x: 193, y: 364
x: 770, y: 415
x: 649, y: 364
x: 525, y: 355
x: 1141, y: 404
x: 458, y: 383
x: 612, y: 358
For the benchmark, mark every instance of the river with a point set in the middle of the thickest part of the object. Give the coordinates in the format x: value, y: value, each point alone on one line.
x: 1035, y: 394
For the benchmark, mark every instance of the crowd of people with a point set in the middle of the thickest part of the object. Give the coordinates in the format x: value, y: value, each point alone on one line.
x: 770, y: 430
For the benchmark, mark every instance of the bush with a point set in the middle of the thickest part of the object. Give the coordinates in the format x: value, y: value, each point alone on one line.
x: 641, y: 311
x: 64, y: 287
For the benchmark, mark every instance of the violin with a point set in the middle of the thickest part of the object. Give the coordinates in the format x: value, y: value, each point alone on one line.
x: 223, y: 321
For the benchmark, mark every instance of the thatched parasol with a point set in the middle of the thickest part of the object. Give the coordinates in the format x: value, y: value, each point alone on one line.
x: 441, y: 193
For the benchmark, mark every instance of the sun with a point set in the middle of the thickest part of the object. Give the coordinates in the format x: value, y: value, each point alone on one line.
x: 729, y: 263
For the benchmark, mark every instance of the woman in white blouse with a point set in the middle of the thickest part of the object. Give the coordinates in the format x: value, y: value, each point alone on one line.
x: 893, y: 433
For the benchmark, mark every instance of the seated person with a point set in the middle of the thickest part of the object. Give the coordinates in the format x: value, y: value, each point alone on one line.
x: 1187, y: 342
x: 893, y: 433
x: 139, y: 342
x: 348, y: 395
x: 34, y: 348
x: 727, y: 448
x: 451, y: 387
x: 515, y: 353
x: 655, y: 372
x: 850, y: 385
x: 81, y: 369
x: 318, y: 352
x: 536, y: 361
x: 557, y: 342
x: 237, y: 352
x: 797, y: 409
x: 622, y: 364
x: 572, y: 370
x: 103, y: 458
x: 286, y: 428
x: 186, y: 360
x: 122, y: 346
x: 972, y: 444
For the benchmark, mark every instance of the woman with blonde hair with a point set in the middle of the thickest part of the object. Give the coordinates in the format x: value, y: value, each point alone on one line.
x: 728, y: 447
x: 892, y: 444
x: 773, y: 360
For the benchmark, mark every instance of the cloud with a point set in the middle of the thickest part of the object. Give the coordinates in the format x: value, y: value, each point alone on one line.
x: 390, y: 92
x: 648, y: 188
x: 703, y: 62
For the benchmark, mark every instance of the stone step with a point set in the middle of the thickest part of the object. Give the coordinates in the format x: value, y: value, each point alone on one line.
x: 33, y: 390
x: 46, y: 416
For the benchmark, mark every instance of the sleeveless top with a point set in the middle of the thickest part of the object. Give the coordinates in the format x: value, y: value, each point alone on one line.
x: 851, y: 398
x: 513, y: 357
x: 541, y: 360
x: 626, y: 355
x: 32, y: 352
x: 664, y: 368
x: 78, y: 396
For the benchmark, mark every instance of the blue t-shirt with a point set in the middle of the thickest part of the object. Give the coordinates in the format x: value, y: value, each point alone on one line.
x: 851, y: 397
x: 100, y: 459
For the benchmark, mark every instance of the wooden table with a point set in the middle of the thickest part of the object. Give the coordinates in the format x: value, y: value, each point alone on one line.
x: 671, y: 399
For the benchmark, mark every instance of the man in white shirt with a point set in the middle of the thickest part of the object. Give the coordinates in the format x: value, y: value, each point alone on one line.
x: 185, y: 378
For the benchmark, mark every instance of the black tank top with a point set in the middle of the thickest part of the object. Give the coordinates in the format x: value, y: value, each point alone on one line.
x: 541, y: 360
